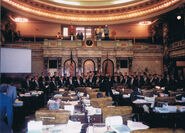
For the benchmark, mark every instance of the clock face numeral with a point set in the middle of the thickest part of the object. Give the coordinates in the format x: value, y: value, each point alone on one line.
x: 89, y: 42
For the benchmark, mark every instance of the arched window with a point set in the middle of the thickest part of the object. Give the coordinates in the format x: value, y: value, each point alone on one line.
x: 89, y: 65
x: 70, y: 67
x: 108, y: 67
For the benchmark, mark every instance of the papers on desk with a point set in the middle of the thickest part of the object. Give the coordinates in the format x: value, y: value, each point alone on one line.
x: 139, y: 101
x: 18, y: 103
x: 36, y: 92
x: 58, y: 96
x: 25, y: 95
x: 166, y: 109
x: 126, y: 96
x: 182, y: 109
x: 35, y: 126
x: 60, y: 90
x: 73, y: 127
x: 72, y: 92
x: 80, y: 94
x: 145, y: 100
x: 70, y: 108
x: 31, y: 93
x: 70, y: 127
x: 86, y: 102
x: 94, y: 129
x: 150, y: 99
x: 181, y: 101
x: 157, y: 87
x: 140, y: 96
x: 93, y: 111
x: 136, y: 125
x: 115, y: 92
x: 120, y: 128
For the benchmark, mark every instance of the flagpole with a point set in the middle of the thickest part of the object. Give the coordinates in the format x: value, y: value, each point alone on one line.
x: 71, y: 64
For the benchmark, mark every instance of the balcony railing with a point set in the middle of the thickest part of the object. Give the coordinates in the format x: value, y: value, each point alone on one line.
x: 117, y: 45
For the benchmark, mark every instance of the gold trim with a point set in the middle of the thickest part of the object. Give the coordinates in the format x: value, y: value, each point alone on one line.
x: 86, y: 19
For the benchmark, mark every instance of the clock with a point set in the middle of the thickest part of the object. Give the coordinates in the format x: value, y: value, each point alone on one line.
x: 89, y: 43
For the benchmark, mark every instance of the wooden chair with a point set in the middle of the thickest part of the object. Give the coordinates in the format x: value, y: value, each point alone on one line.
x: 52, y: 116
x: 117, y: 110
x: 169, y: 100
x: 94, y: 94
x: 148, y: 93
x: 101, y: 102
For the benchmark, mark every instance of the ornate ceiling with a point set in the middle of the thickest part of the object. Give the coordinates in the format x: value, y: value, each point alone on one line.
x: 91, y: 12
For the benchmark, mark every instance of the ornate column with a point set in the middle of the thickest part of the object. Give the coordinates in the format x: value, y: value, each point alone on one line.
x: 166, y: 57
x: 79, y: 65
x: 46, y: 64
x: 59, y: 64
x: 98, y: 64
x: 117, y: 64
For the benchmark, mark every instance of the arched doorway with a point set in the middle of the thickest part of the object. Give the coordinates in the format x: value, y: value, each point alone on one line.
x: 88, y: 66
x: 70, y: 67
x: 108, y: 67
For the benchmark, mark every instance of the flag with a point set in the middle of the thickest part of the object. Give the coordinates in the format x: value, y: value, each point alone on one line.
x: 107, y: 65
x: 71, y: 65
x: 71, y: 58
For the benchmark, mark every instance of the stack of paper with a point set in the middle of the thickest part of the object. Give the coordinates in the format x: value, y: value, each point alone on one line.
x: 70, y: 108
x: 73, y: 127
x: 35, y: 127
x: 140, y: 101
x: 182, y: 109
x: 136, y: 125
x: 120, y: 128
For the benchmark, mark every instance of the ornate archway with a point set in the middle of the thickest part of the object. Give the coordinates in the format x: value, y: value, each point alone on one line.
x: 88, y: 66
x: 70, y: 67
x: 108, y: 67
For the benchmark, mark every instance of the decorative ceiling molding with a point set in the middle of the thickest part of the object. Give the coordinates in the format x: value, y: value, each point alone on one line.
x: 44, y: 12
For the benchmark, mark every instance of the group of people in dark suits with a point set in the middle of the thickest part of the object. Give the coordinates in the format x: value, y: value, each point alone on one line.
x: 98, y: 80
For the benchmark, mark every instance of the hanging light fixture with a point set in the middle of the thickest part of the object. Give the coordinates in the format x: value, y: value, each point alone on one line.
x: 179, y: 17
x: 145, y: 23
x: 21, y: 20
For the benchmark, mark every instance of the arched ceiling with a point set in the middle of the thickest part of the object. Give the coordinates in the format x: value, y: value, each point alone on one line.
x: 91, y: 12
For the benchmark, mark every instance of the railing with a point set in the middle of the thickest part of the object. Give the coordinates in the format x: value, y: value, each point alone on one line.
x: 177, y: 49
x: 177, y: 45
x: 37, y: 45
x: 128, y: 45
x: 101, y: 44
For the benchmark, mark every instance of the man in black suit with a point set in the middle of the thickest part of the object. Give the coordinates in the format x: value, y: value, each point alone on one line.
x: 146, y: 79
x: 65, y: 79
x: 107, y: 85
x: 70, y: 83
x: 97, y: 82
x: 41, y: 77
x: 53, y: 85
x: 78, y: 81
x: 121, y: 80
x: 26, y: 84
x: 132, y: 82
x: 43, y: 85
x: 35, y: 84
x: 160, y: 81
x: 61, y: 82
x: 126, y: 81
x: 48, y: 77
